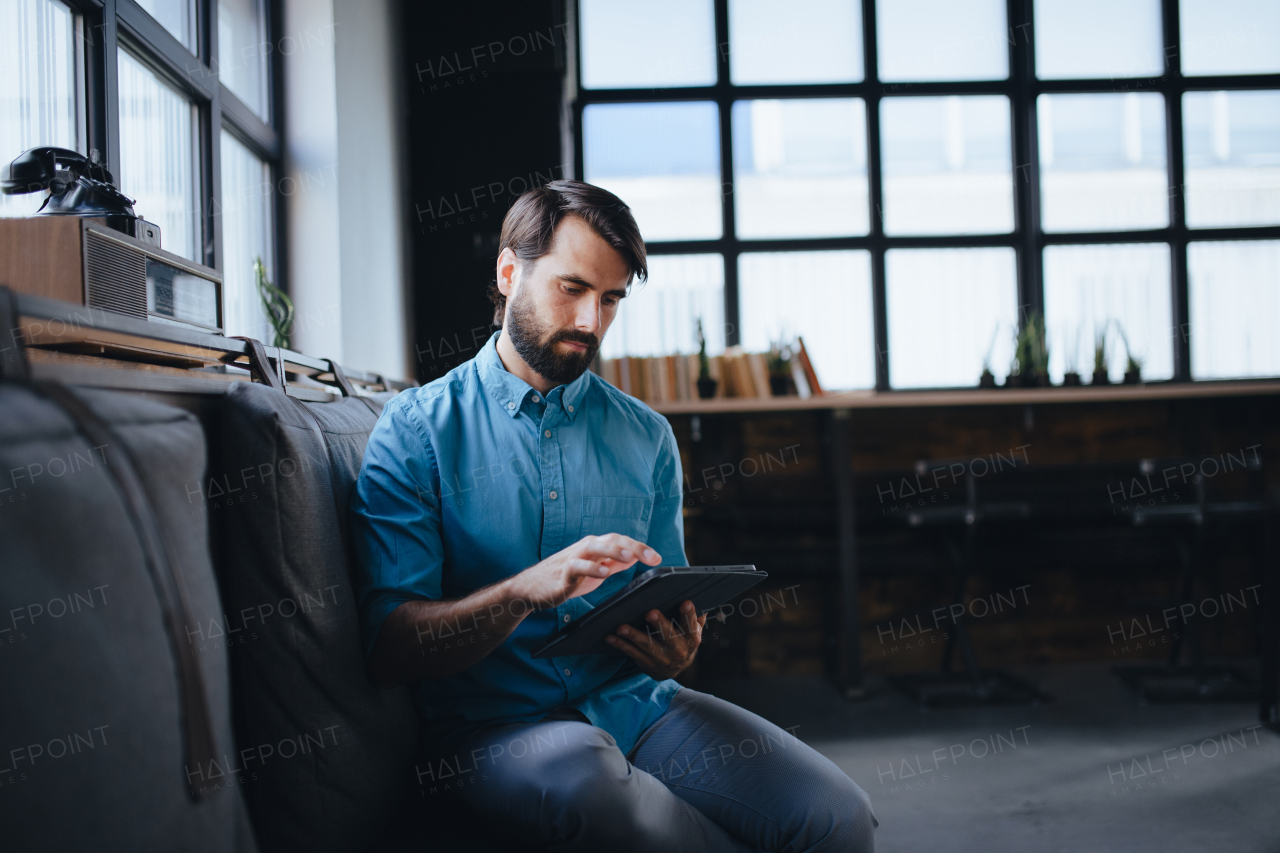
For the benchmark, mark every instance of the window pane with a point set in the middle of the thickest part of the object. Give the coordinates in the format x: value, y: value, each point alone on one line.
x: 1102, y: 162
x: 660, y: 315
x: 800, y: 168
x: 825, y: 297
x: 805, y: 41
x: 1235, y: 309
x: 947, y: 165
x: 947, y: 309
x: 942, y: 40
x: 246, y: 237
x: 661, y: 159
x: 1123, y: 290
x: 1078, y: 39
x: 1230, y: 36
x: 157, y: 156
x: 1231, y: 141
x: 175, y: 16
x: 242, y: 52
x: 37, y: 86
x: 634, y: 44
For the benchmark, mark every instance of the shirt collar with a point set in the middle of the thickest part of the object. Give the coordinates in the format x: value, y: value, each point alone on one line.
x: 509, y: 391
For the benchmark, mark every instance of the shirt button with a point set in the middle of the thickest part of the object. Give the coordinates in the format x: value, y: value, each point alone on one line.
x: 566, y: 617
x: 547, y: 433
x: 535, y: 399
x: 571, y: 408
x: 553, y: 496
x: 511, y: 404
x: 567, y: 673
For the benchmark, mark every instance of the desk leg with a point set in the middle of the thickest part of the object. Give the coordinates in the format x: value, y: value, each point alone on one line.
x: 850, y: 675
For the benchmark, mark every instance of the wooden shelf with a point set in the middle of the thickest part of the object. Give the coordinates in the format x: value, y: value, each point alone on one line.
x: 978, y: 397
x: 88, y: 346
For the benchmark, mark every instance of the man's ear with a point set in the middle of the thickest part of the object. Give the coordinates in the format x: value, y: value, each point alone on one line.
x: 508, y: 265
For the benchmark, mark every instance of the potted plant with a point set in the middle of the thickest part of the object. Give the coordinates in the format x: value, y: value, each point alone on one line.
x: 781, y: 383
x: 1031, y: 353
x: 275, y: 303
x: 988, y: 379
x: 1133, y: 364
x: 706, y: 382
x: 1100, y: 370
x: 1071, y: 378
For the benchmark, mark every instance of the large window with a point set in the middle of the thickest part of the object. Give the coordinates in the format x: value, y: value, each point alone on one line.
x: 38, y: 92
x: 173, y: 96
x: 905, y: 182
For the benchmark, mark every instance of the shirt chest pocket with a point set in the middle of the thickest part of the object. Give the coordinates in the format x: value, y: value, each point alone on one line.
x: 626, y: 515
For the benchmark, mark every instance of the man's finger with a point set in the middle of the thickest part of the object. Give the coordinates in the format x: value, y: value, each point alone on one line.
x: 605, y: 553
x: 641, y: 638
x: 633, y: 548
x: 586, y: 567
x: 668, y: 629
x: 601, y: 568
x: 631, y: 650
x: 686, y: 622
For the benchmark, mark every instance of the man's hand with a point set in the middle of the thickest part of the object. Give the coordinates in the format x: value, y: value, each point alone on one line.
x: 667, y: 647
x: 578, y: 569
x: 406, y: 649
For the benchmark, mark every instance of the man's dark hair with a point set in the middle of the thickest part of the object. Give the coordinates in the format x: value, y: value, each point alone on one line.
x: 530, y: 226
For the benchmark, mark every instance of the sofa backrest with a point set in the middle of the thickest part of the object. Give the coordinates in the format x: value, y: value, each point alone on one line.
x: 327, y: 753
x: 116, y: 727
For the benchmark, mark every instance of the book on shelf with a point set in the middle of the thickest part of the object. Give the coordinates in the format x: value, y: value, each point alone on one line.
x: 802, y: 381
x: 639, y: 388
x: 806, y: 365
x: 715, y: 366
x: 685, y: 389
x: 674, y: 378
x: 657, y: 379
x: 759, y: 374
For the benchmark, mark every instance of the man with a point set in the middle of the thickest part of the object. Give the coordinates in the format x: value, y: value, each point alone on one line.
x: 509, y: 497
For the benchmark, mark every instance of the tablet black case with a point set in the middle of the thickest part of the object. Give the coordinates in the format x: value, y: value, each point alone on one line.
x: 664, y: 589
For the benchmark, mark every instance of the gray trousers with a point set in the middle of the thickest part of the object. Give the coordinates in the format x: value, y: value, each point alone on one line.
x: 706, y: 777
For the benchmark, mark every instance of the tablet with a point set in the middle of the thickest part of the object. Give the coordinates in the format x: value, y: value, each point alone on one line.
x: 664, y: 589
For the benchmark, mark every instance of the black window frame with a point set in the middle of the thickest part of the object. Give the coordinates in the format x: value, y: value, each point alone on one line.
x: 109, y: 26
x: 1028, y: 240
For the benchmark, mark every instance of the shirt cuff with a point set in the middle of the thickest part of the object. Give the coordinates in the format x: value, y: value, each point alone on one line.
x: 376, y: 613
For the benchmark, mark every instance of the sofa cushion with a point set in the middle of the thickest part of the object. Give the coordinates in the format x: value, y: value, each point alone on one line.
x: 327, y: 752
x: 97, y: 722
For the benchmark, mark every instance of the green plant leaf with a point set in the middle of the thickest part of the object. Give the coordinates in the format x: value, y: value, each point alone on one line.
x: 276, y: 303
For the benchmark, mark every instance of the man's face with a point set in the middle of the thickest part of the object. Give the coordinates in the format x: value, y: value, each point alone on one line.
x: 560, y: 306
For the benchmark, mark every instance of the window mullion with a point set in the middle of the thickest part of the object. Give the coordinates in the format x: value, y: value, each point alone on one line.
x: 724, y: 103
x: 1181, y: 330
x: 211, y: 138
x: 875, y: 198
x: 106, y: 88
x: 1026, y: 162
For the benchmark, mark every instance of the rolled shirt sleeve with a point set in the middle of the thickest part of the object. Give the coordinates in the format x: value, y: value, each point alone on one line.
x: 666, y: 523
x: 395, y: 519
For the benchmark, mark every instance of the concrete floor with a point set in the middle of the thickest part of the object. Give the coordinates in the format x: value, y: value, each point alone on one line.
x: 1089, y: 771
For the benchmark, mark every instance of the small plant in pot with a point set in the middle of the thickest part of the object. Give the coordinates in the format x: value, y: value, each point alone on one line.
x: 1100, y: 370
x: 1071, y: 378
x: 1133, y: 364
x: 1032, y: 352
x: 1014, y: 378
x: 781, y: 384
x: 706, y: 382
x: 988, y: 379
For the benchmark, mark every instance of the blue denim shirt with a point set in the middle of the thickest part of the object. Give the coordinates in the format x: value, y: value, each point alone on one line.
x: 476, y: 477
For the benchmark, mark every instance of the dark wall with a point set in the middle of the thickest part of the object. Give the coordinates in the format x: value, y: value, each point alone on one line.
x: 485, y: 82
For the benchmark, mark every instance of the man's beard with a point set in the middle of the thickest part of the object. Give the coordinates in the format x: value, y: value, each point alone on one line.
x: 537, y: 346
